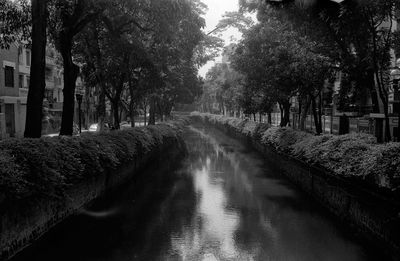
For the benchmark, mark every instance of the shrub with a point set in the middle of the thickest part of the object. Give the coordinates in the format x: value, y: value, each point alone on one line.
x: 249, y: 128
x: 307, y: 148
x: 282, y: 138
x: 259, y: 131
x: 352, y: 155
x: 46, y: 167
x: 383, y: 165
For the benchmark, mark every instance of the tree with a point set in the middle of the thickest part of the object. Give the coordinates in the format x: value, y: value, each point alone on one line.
x: 144, y: 52
x: 362, y: 34
x: 279, y: 63
x: 34, y: 114
x: 68, y: 18
x: 15, y: 22
x: 225, y: 84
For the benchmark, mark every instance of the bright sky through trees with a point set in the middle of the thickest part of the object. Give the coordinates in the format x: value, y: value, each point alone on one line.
x: 216, y: 8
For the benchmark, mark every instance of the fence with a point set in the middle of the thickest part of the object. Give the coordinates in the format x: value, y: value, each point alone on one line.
x: 332, y: 124
x: 2, y: 126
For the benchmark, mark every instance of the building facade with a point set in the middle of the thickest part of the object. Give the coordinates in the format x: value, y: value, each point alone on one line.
x: 13, y: 91
x: 14, y: 85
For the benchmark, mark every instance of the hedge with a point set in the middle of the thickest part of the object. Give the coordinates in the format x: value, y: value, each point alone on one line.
x: 356, y: 156
x: 47, y: 167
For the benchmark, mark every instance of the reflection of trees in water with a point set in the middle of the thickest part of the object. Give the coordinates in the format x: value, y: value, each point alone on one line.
x: 223, y: 201
x: 171, y: 216
x: 145, y: 211
x: 275, y: 222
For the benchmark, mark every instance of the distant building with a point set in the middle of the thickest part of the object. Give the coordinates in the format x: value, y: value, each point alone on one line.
x: 14, y: 84
x: 13, y: 91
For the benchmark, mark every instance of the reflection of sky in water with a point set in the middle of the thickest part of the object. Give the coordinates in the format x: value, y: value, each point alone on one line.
x: 239, y: 217
x: 224, y: 203
x: 213, y: 239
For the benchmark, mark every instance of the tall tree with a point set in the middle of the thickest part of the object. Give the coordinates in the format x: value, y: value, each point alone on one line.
x: 34, y: 114
x: 362, y: 33
x: 68, y: 19
x: 15, y: 22
x: 280, y: 63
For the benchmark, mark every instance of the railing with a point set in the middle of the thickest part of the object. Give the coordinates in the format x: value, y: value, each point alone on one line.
x: 330, y: 124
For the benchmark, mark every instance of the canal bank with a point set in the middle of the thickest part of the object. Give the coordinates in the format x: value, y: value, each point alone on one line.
x: 128, y: 153
x: 224, y: 202
x: 374, y: 215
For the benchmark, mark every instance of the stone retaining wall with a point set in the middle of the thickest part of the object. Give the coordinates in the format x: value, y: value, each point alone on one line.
x: 374, y: 216
x: 23, y: 223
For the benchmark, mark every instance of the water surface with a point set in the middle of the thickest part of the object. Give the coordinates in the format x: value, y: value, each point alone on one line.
x: 222, y: 203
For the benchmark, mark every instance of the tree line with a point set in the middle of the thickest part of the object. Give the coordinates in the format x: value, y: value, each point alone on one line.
x: 298, y: 46
x: 131, y: 52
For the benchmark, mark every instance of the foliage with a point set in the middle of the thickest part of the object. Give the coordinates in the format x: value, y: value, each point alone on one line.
x: 357, y: 36
x: 353, y: 156
x: 237, y: 20
x: 222, y: 86
x: 146, y: 52
x: 131, y: 51
x: 48, y: 167
x: 14, y: 22
x: 383, y: 165
x: 278, y: 62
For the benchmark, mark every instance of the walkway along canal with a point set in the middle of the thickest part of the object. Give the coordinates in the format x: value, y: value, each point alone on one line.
x: 224, y: 202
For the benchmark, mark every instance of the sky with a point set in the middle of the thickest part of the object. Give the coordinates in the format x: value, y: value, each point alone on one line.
x: 216, y: 8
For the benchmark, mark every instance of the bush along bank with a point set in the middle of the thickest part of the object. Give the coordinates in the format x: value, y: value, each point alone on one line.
x: 42, y: 181
x: 352, y: 175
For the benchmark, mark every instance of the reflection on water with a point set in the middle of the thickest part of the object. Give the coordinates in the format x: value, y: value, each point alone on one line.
x: 223, y: 203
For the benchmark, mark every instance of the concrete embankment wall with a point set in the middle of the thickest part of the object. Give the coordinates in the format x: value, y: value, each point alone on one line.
x: 25, y: 221
x: 374, y: 216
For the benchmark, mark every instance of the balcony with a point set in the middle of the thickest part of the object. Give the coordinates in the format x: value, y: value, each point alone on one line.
x: 49, y: 84
x: 394, y: 97
x: 50, y: 61
x: 23, y: 92
x: 55, y: 105
x: 24, y: 69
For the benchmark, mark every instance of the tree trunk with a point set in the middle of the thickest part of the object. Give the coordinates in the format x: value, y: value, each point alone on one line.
x: 304, y: 112
x: 132, y: 107
x: 145, y: 114
x: 152, y: 117
x: 388, y: 136
x: 320, y: 110
x: 71, y: 72
x: 160, y: 110
x: 379, y: 81
x: 318, y: 126
x: 269, y: 118
x: 300, y: 110
x: 101, y: 110
x: 115, y: 105
x: 34, y: 111
x: 370, y: 83
x: 254, y: 117
x: 286, y: 113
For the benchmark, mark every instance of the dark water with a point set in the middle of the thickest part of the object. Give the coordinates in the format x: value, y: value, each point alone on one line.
x: 222, y: 203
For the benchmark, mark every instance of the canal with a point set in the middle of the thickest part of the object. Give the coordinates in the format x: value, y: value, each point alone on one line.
x: 223, y: 202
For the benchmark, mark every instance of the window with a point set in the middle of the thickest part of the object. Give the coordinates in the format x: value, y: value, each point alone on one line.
x: 49, y: 95
x: 9, y: 76
x: 48, y: 73
x: 21, y: 81
x: 28, y: 58
x: 20, y: 56
x: 28, y: 81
